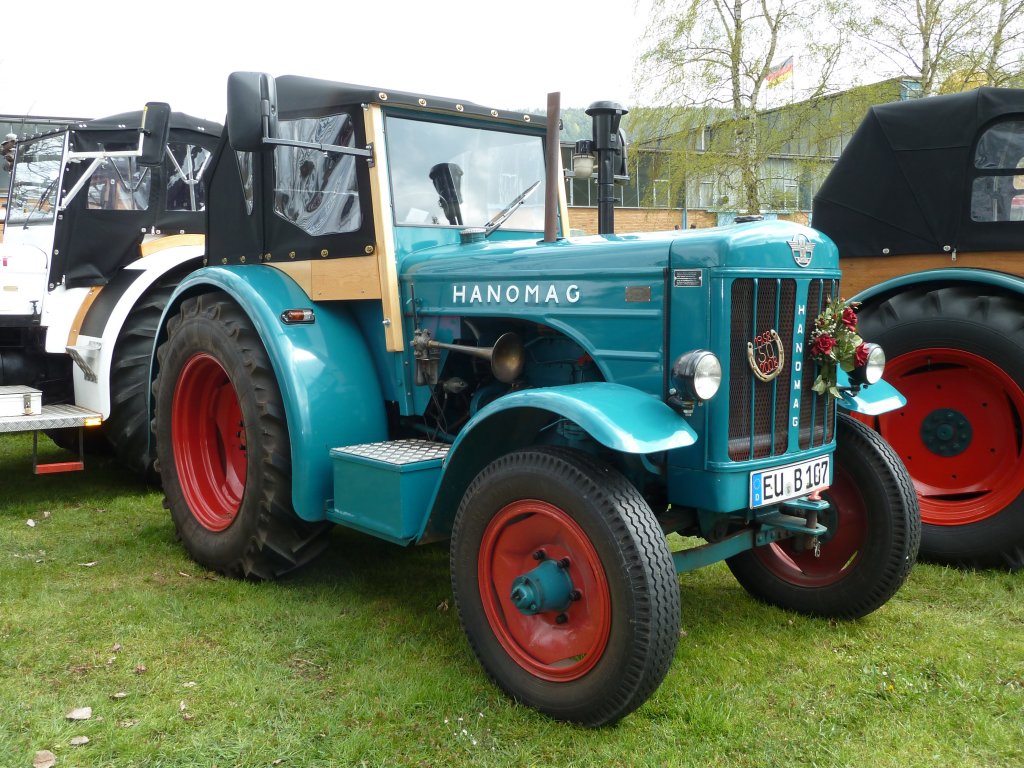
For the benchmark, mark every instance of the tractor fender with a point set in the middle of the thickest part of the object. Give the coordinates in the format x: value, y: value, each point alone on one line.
x: 327, y: 378
x: 874, y: 400
x: 93, y: 338
x: 618, y: 417
x: 1001, y: 281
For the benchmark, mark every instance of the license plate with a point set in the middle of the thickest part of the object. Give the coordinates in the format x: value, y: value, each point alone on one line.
x: 771, y: 486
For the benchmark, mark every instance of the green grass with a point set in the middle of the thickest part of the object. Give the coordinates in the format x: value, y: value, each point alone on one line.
x: 358, y: 660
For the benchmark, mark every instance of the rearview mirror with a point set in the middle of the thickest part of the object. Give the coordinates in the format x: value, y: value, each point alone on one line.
x: 252, y: 110
x: 155, y: 129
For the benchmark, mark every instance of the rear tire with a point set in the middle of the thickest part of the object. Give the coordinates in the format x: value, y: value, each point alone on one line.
x: 223, y: 447
x: 958, y: 357
x: 128, y: 428
x: 601, y: 657
x: 874, y: 533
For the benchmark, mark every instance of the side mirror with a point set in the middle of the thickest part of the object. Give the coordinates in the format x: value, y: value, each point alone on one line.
x: 252, y: 110
x: 155, y: 129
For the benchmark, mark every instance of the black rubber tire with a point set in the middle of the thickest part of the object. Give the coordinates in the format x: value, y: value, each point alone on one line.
x: 962, y: 318
x: 266, y: 539
x: 633, y: 554
x: 867, y: 469
x: 128, y: 427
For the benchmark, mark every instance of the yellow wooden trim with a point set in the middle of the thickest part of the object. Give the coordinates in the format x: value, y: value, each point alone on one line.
x: 299, y: 271
x: 149, y: 247
x: 83, y: 310
x: 383, y: 227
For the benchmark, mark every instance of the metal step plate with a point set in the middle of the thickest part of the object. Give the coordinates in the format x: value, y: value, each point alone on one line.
x: 396, y: 452
x: 52, y: 417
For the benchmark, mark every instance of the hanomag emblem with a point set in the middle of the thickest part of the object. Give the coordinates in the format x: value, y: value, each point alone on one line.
x: 803, y: 250
x: 766, y: 355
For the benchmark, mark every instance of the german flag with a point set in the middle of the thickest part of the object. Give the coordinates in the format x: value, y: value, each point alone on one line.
x: 780, y: 73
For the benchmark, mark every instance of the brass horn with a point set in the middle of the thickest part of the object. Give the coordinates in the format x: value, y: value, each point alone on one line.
x: 507, y: 356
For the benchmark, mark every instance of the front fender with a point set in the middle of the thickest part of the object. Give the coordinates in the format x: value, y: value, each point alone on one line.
x: 618, y: 417
x: 327, y: 379
x: 878, y: 398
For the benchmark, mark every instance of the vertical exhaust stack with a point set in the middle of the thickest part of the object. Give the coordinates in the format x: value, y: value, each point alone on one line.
x: 552, y: 163
x: 608, y: 147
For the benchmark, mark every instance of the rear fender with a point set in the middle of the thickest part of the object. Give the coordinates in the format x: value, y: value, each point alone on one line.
x: 999, y: 281
x: 618, y: 417
x: 327, y: 379
x: 98, y: 330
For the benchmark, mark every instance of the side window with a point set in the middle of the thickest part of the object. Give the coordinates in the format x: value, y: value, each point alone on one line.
x: 185, y: 188
x: 36, y: 175
x: 245, y: 175
x: 317, y: 191
x: 997, y: 192
x: 119, y: 184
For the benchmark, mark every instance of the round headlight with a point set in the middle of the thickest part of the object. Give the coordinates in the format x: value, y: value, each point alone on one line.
x: 697, y: 375
x: 875, y: 365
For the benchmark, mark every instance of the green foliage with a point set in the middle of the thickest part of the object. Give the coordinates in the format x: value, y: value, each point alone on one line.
x: 360, y: 661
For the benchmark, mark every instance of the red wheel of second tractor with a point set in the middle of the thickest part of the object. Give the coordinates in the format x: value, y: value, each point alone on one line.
x: 209, y: 442
x: 958, y: 433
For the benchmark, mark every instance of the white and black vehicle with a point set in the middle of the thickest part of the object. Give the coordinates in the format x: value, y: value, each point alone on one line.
x: 104, y: 218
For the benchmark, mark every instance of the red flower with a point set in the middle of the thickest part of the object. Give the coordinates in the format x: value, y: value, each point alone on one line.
x: 850, y: 318
x: 823, y: 345
x: 860, y: 355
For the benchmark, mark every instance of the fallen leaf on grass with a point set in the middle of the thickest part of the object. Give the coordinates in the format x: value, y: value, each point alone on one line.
x: 44, y: 759
x: 79, y: 741
x: 140, y: 669
x: 82, y: 713
x: 89, y: 565
x: 30, y: 523
x: 189, y: 684
x: 186, y: 575
x: 128, y: 723
x: 119, y: 695
x: 46, y: 514
x: 442, y: 606
x: 115, y: 647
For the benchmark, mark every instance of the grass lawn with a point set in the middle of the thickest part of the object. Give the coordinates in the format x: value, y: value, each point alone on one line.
x: 358, y: 660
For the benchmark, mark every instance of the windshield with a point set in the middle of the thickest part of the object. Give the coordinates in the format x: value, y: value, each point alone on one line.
x: 36, y: 173
x: 451, y: 175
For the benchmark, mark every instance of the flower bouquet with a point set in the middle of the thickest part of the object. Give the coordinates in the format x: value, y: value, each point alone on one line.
x: 835, y: 342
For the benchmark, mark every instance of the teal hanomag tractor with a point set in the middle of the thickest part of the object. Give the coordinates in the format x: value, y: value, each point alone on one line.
x: 388, y: 337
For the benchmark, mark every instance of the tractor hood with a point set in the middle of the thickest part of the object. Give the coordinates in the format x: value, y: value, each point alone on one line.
x: 767, y: 246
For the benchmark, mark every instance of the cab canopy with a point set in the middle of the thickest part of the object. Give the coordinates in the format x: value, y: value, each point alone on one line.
x: 938, y: 174
x: 122, y: 200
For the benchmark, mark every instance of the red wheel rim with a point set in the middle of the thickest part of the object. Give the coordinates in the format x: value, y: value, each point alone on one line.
x: 538, y: 644
x: 208, y: 438
x: 988, y: 473
x: 841, y: 547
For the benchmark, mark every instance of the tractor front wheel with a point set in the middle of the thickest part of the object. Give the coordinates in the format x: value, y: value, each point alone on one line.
x: 565, y: 585
x: 872, y: 542
x: 222, y: 446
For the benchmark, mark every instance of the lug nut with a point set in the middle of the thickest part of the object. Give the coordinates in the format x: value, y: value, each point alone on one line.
x: 540, y: 555
x: 575, y: 595
x: 561, y: 618
x: 563, y: 563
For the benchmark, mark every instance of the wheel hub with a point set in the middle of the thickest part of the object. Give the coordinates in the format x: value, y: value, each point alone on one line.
x: 946, y: 432
x: 548, y: 587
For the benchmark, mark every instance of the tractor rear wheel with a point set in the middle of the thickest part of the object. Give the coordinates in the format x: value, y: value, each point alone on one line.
x: 223, y: 447
x: 127, y: 429
x: 872, y: 542
x: 565, y: 585
x: 958, y: 358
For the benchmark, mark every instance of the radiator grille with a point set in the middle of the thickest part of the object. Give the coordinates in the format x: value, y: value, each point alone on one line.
x: 759, y: 412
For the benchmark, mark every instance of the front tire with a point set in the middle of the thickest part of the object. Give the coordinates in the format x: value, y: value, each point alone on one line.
x: 958, y: 358
x: 874, y: 533
x: 223, y: 447
x: 602, y: 655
